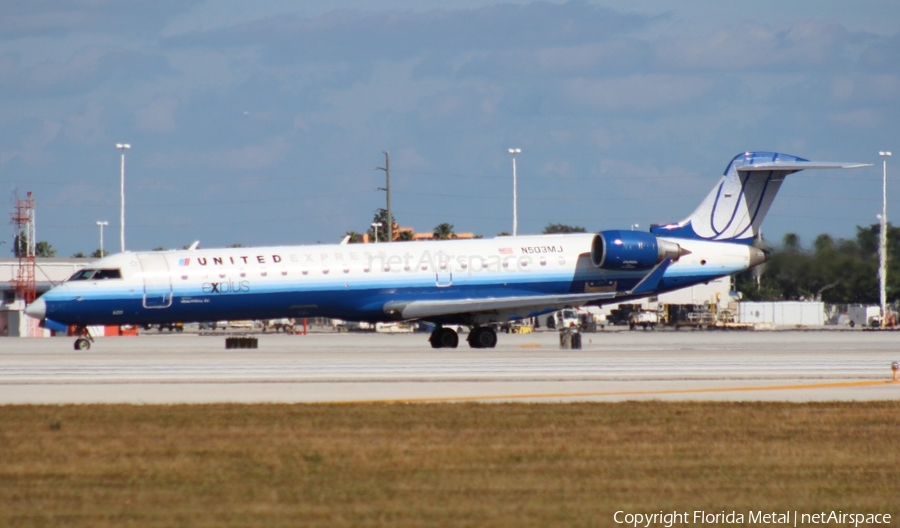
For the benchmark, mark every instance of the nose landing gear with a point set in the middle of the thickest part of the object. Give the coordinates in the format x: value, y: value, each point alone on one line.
x: 84, y: 340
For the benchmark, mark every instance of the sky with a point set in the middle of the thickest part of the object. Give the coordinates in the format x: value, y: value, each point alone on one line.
x: 264, y: 123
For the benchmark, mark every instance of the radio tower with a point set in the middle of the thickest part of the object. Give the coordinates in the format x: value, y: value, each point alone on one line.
x: 25, y: 282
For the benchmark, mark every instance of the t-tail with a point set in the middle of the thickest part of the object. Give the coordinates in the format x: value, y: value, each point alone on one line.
x: 736, y: 207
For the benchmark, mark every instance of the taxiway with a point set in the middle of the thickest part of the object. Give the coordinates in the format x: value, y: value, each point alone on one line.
x: 612, y: 366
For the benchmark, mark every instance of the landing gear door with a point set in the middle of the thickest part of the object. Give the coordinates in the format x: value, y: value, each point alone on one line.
x: 157, y: 281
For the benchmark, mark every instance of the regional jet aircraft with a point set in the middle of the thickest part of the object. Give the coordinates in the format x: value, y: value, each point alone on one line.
x: 478, y: 283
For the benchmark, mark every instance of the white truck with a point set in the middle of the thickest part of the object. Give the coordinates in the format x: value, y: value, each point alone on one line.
x: 566, y: 318
x: 864, y: 316
x: 644, y: 319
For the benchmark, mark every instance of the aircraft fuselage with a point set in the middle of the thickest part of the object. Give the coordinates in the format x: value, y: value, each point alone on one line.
x: 355, y: 282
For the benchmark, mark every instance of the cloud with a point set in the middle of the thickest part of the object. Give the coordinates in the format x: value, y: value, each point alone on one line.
x: 863, y: 118
x: 81, y: 72
x: 399, y: 34
x: 34, y: 140
x: 801, y: 46
x: 602, y: 58
x: 86, y: 126
x: 241, y: 158
x: 31, y: 18
x: 881, y: 55
x: 158, y: 116
x: 637, y: 92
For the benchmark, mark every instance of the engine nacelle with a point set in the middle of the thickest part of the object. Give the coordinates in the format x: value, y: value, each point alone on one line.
x: 631, y: 250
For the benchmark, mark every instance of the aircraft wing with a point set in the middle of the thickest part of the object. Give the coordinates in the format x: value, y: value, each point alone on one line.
x: 435, y: 308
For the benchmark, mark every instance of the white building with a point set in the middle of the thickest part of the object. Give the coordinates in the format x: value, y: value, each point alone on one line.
x: 783, y: 313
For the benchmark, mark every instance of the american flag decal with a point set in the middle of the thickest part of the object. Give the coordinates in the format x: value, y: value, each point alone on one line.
x: 506, y: 251
x: 184, y: 261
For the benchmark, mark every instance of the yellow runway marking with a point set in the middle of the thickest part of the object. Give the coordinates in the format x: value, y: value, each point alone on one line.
x: 807, y: 386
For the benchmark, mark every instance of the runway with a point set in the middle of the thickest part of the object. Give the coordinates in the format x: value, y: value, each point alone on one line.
x: 342, y: 368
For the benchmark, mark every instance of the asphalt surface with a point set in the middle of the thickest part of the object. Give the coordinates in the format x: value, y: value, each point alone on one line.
x: 612, y: 366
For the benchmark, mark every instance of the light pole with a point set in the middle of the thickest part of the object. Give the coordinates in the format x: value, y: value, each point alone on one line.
x: 375, y: 226
x: 513, y: 152
x: 882, y: 246
x: 387, y: 190
x: 102, y: 224
x: 123, y: 147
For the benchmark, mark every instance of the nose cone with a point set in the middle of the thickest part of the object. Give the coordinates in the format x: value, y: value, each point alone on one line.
x: 37, y: 309
x: 758, y: 256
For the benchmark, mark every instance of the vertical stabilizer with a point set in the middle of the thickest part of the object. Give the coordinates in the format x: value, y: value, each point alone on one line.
x: 736, y: 207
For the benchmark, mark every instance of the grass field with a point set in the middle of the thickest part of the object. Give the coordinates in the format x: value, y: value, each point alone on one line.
x: 440, y: 464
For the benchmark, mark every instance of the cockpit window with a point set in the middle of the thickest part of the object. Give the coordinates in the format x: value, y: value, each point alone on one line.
x: 96, y: 274
x: 84, y: 274
x: 107, y: 274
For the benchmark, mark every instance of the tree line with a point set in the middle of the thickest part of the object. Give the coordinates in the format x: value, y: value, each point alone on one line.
x: 443, y: 231
x: 835, y: 271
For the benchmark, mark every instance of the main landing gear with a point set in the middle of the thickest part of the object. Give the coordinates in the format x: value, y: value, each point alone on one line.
x: 84, y: 340
x: 480, y: 337
x: 444, y: 338
x: 483, y: 337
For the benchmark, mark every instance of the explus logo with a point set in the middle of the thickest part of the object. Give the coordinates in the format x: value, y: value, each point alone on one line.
x: 226, y: 287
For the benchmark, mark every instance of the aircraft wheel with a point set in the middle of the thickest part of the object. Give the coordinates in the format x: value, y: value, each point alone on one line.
x: 444, y: 338
x: 483, y: 337
x: 82, y: 344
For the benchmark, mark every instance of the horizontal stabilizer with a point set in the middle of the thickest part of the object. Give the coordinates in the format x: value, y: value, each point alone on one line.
x: 799, y: 166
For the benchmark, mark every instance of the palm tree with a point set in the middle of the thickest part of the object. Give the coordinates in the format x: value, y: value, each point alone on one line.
x: 444, y: 232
